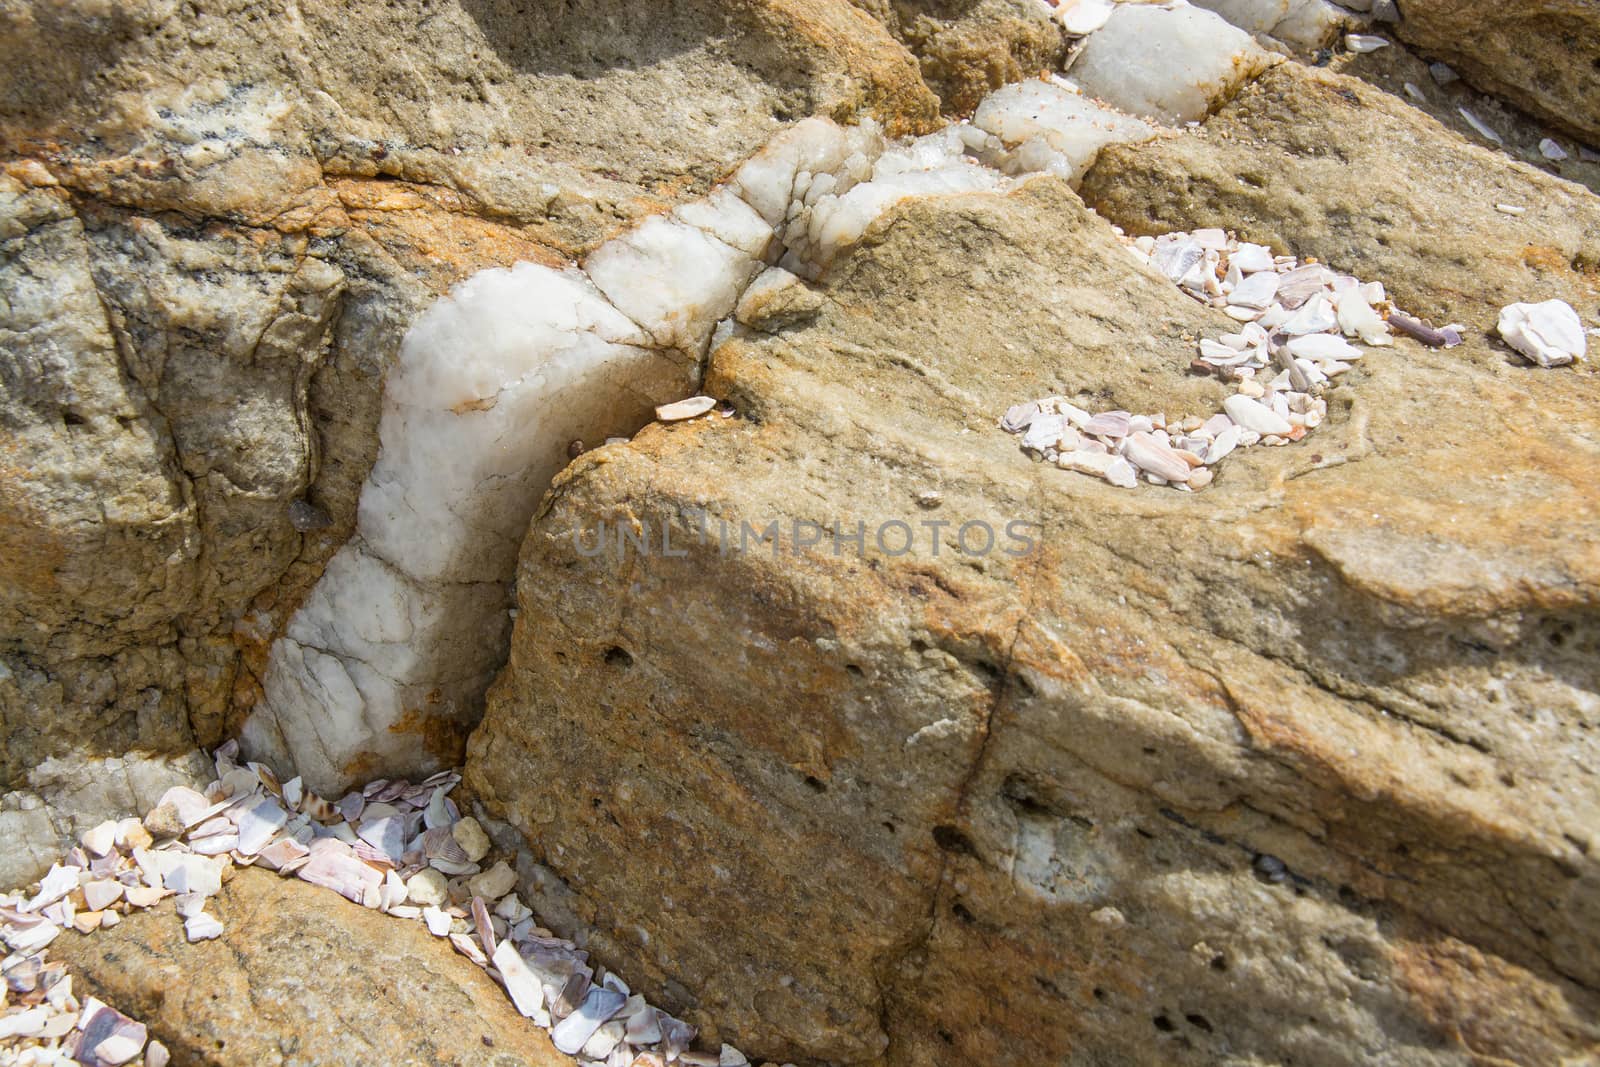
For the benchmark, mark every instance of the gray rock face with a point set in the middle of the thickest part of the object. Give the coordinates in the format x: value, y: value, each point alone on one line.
x: 162, y: 414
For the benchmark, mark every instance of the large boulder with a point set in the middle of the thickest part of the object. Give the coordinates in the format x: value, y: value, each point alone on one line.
x: 1293, y: 768
x: 1542, y: 55
x: 302, y: 976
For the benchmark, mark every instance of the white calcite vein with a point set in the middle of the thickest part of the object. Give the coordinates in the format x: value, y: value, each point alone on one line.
x: 409, y: 619
x: 1172, y: 62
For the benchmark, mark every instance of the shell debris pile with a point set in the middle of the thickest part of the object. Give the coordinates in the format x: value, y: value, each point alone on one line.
x: 400, y: 848
x: 1294, y: 339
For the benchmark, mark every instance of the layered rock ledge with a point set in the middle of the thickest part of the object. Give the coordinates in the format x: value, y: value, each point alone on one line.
x: 1299, y: 768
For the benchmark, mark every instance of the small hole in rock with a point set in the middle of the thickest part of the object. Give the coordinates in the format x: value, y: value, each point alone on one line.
x: 960, y: 911
x: 1219, y: 962
x: 852, y: 670
x: 817, y: 785
x: 618, y: 657
x: 1163, y: 1024
x: 1200, y: 1022
x: 950, y: 839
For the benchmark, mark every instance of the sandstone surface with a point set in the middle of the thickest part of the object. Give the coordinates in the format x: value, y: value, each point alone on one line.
x: 1299, y: 767
x: 968, y: 48
x: 303, y: 977
x: 1328, y: 166
x: 1542, y: 55
x: 1407, y: 75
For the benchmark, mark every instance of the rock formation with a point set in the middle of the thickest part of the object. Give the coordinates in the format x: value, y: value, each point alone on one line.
x: 1192, y: 766
x: 218, y: 228
x: 829, y: 720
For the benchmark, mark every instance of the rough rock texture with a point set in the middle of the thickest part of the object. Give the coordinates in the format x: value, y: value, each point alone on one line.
x: 1396, y: 67
x: 968, y: 48
x: 1326, y: 165
x: 1543, y: 55
x: 216, y: 223
x: 1300, y: 768
x: 302, y: 976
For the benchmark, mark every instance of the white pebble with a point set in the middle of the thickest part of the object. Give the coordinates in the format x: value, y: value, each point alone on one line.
x: 1477, y: 124
x: 470, y: 836
x: 494, y: 883
x: 1253, y: 415
x: 685, y: 409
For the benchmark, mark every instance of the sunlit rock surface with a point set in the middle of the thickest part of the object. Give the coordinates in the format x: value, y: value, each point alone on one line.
x: 1035, y: 118
x: 216, y: 228
x: 1299, y: 768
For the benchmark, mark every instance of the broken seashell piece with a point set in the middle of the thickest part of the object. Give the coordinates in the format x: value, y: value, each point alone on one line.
x: 679, y: 410
x: 527, y: 994
x: 1550, y: 333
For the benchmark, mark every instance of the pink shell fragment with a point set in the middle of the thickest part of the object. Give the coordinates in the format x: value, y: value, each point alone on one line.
x: 334, y: 866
